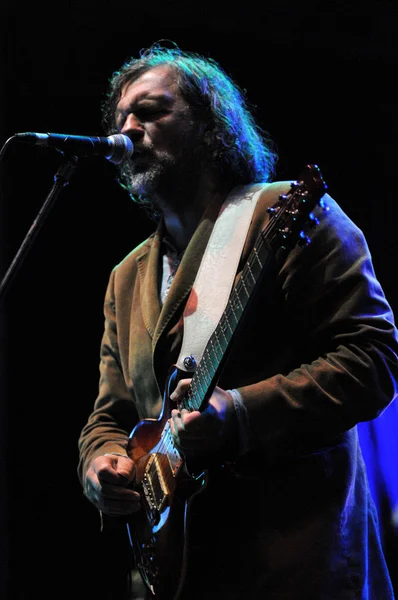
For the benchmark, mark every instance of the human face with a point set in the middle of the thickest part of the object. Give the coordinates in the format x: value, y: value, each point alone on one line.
x: 159, y: 121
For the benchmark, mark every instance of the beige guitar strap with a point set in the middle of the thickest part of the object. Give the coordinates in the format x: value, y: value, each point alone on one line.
x: 214, y: 280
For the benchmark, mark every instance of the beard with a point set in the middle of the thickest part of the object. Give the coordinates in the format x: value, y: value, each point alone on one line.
x: 157, y: 177
x: 148, y: 177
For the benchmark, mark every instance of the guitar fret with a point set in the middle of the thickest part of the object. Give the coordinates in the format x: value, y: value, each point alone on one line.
x: 209, y: 355
x: 239, y: 300
x: 191, y: 397
x: 255, y: 266
x: 258, y: 259
x: 197, y: 401
x: 199, y: 383
x: 244, y: 287
x: 222, y: 349
x: 228, y: 323
x: 186, y: 400
x: 251, y: 272
x: 215, y: 353
x: 206, y: 373
x: 233, y: 312
x: 209, y: 370
x: 221, y: 326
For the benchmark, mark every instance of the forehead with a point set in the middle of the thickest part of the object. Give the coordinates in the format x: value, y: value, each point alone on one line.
x: 159, y: 81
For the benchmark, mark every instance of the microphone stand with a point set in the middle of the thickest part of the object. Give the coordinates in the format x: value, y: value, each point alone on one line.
x: 61, y: 178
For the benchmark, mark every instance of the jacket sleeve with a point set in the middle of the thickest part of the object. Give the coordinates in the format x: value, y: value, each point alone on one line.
x: 114, y: 414
x: 341, y: 322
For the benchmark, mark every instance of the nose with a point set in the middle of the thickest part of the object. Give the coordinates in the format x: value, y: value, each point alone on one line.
x: 132, y: 127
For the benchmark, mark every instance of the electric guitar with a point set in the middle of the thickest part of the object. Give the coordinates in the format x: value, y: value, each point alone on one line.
x: 166, y: 482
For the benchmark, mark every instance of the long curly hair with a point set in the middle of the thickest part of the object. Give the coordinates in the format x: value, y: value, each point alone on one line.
x: 235, y: 144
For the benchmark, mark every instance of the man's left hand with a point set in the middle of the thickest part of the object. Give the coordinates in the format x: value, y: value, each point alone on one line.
x: 202, y: 433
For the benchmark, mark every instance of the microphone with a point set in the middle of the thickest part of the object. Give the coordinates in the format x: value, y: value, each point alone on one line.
x: 116, y: 148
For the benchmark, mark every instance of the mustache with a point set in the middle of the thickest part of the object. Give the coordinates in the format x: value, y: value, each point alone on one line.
x: 147, y: 150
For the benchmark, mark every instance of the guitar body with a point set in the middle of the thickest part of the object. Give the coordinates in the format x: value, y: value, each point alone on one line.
x: 158, y: 533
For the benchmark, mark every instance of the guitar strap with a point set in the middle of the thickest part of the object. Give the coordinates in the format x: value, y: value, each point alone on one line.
x: 214, y: 280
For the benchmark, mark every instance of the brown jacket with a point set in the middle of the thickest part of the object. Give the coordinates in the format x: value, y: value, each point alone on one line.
x: 316, y: 356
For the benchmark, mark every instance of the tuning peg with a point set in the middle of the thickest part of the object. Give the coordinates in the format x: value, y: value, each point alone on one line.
x: 304, y: 240
x: 272, y: 210
x: 323, y: 205
x: 314, y: 221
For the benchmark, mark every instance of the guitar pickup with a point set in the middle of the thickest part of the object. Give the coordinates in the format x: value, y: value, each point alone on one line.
x: 154, y: 484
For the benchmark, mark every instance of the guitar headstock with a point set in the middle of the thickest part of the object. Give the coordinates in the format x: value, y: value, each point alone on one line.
x: 294, y: 210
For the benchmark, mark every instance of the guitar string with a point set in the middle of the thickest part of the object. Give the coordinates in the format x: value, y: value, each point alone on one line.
x: 196, y: 395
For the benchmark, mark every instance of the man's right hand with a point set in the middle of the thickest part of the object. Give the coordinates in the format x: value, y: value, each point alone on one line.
x: 106, y: 485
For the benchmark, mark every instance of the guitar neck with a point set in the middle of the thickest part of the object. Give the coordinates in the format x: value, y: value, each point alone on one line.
x: 216, y: 352
x: 280, y: 235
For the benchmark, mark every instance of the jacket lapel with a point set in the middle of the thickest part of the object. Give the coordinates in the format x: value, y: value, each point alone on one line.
x: 187, y: 270
x: 148, y: 268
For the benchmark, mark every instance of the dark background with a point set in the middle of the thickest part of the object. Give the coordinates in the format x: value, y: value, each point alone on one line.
x: 323, y: 78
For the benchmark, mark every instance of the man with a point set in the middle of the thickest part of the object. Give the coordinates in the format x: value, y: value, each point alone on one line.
x: 285, y: 510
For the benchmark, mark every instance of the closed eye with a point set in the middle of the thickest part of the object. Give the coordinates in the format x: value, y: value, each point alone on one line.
x: 149, y: 114
x: 143, y: 115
